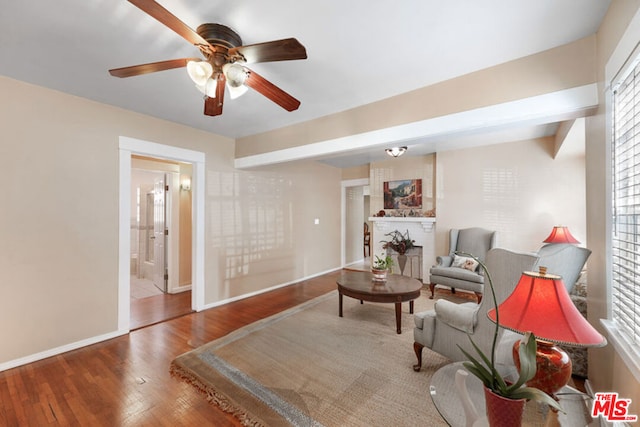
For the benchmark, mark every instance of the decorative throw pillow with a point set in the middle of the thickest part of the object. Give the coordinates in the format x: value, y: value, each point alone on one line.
x: 465, y: 262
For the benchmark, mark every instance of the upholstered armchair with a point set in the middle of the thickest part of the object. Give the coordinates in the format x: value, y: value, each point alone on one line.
x: 449, y: 324
x: 563, y: 259
x: 459, y: 272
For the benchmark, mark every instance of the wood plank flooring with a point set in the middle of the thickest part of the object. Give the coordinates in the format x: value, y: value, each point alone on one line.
x: 126, y: 382
x: 158, y: 308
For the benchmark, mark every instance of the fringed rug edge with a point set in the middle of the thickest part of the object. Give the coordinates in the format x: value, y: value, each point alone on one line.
x: 215, y: 397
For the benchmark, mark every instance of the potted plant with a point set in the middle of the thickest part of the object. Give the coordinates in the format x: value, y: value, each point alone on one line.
x: 380, y: 267
x: 400, y: 243
x: 496, y: 387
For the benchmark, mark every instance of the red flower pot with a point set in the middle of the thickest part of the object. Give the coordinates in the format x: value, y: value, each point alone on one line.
x: 503, y: 412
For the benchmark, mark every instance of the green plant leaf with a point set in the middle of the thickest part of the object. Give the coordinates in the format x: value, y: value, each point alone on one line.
x: 532, y: 393
x: 527, y: 348
x: 527, y: 353
x: 490, y: 376
x: 473, y: 359
x: 484, y: 358
x: 497, y: 384
x: 479, y: 371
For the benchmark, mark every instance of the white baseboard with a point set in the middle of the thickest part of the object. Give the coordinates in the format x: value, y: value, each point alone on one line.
x: 59, y: 350
x: 94, y: 340
x: 262, y: 291
x: 179, y: 289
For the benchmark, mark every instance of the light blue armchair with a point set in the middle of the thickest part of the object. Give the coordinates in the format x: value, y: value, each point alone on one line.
x: 564, y: 260
x: 475, y: 241
x: 449, y: 324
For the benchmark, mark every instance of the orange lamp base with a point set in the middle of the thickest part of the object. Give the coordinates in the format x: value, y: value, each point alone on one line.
x: 553, y: 367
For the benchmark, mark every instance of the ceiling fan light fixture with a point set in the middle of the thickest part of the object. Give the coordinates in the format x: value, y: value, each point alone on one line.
x: 237, y: 91
x: 199, y: 72
x: 209, y: 88
x: 396, y: 151
x: 236, y: 76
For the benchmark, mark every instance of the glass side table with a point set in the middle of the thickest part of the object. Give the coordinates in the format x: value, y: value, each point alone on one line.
x: 447, y: 400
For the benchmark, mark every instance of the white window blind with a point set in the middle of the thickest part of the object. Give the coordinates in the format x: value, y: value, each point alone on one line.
x: 626, y: 207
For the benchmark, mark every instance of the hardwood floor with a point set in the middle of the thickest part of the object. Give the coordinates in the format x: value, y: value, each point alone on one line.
x: 125, y: 381
x: 158, y: 308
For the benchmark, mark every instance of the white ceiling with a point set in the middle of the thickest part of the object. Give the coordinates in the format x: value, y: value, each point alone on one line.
x: 359, y: 51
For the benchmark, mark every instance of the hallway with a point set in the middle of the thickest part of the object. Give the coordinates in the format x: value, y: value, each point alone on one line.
x: 149, y: 305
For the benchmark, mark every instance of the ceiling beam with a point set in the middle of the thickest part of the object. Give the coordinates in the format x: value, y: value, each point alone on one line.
x: 548, y: 108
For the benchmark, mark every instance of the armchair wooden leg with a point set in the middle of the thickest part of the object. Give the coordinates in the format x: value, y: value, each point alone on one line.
x: 432, y: 288
x: 479, y: 296
x: 417, y: 348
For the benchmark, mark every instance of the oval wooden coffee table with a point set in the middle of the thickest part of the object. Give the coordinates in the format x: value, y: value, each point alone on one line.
x: 397, y: 289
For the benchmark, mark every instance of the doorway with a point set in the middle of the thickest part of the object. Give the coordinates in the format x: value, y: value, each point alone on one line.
x: 355, y: 211
x: 135, y: 201
x: 149, y: 269
x: 160, y: 240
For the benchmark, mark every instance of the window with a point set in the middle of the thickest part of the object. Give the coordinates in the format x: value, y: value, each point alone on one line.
x: 625, y: 239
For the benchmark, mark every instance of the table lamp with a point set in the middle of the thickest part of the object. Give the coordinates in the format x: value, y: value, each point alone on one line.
x: 561, y: 234
x: 540, y: 304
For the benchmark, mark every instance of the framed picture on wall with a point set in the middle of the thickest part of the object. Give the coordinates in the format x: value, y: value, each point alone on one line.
x: 403, y: 194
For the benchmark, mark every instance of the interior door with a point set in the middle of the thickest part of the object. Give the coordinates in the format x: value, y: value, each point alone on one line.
x: 159, y: 234
x: 354, y: 227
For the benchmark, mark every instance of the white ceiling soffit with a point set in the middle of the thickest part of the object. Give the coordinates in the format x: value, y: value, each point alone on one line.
x: 510, y: 121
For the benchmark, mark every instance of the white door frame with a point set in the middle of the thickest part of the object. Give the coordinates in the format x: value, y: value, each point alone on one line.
x: 343, y: 220
x: 129, y: 146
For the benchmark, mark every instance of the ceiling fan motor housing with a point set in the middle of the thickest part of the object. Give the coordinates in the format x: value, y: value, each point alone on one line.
x: 219, y: 35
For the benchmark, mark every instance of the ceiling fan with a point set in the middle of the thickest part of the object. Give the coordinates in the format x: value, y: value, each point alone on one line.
x: 224, y: 55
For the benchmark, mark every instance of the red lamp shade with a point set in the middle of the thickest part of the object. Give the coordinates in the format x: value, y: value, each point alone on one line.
x: 560, y: 234
x: 540, y: 304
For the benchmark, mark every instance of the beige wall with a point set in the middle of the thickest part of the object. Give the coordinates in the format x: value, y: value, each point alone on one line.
x: 515, y: 188
x: 406, y: 167
x: 59, y: 252
x: 186, y: 173
x: 260, y: 226
x: 557, y: 69
x: 356, y: 172
x: 606, y: 370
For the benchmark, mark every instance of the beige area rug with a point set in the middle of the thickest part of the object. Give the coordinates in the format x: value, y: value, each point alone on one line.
x: 308, y: 367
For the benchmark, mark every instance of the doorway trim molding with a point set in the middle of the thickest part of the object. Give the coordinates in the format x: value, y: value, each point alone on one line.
x: 127, y: 147
x: 343, y: 214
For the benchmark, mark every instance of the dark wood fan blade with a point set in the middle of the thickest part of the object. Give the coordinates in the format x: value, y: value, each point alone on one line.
x: 213, y: 106
x: 165, y: 17
x: 152, y: 67
x: 278, y: 50
x: 271, y: 91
